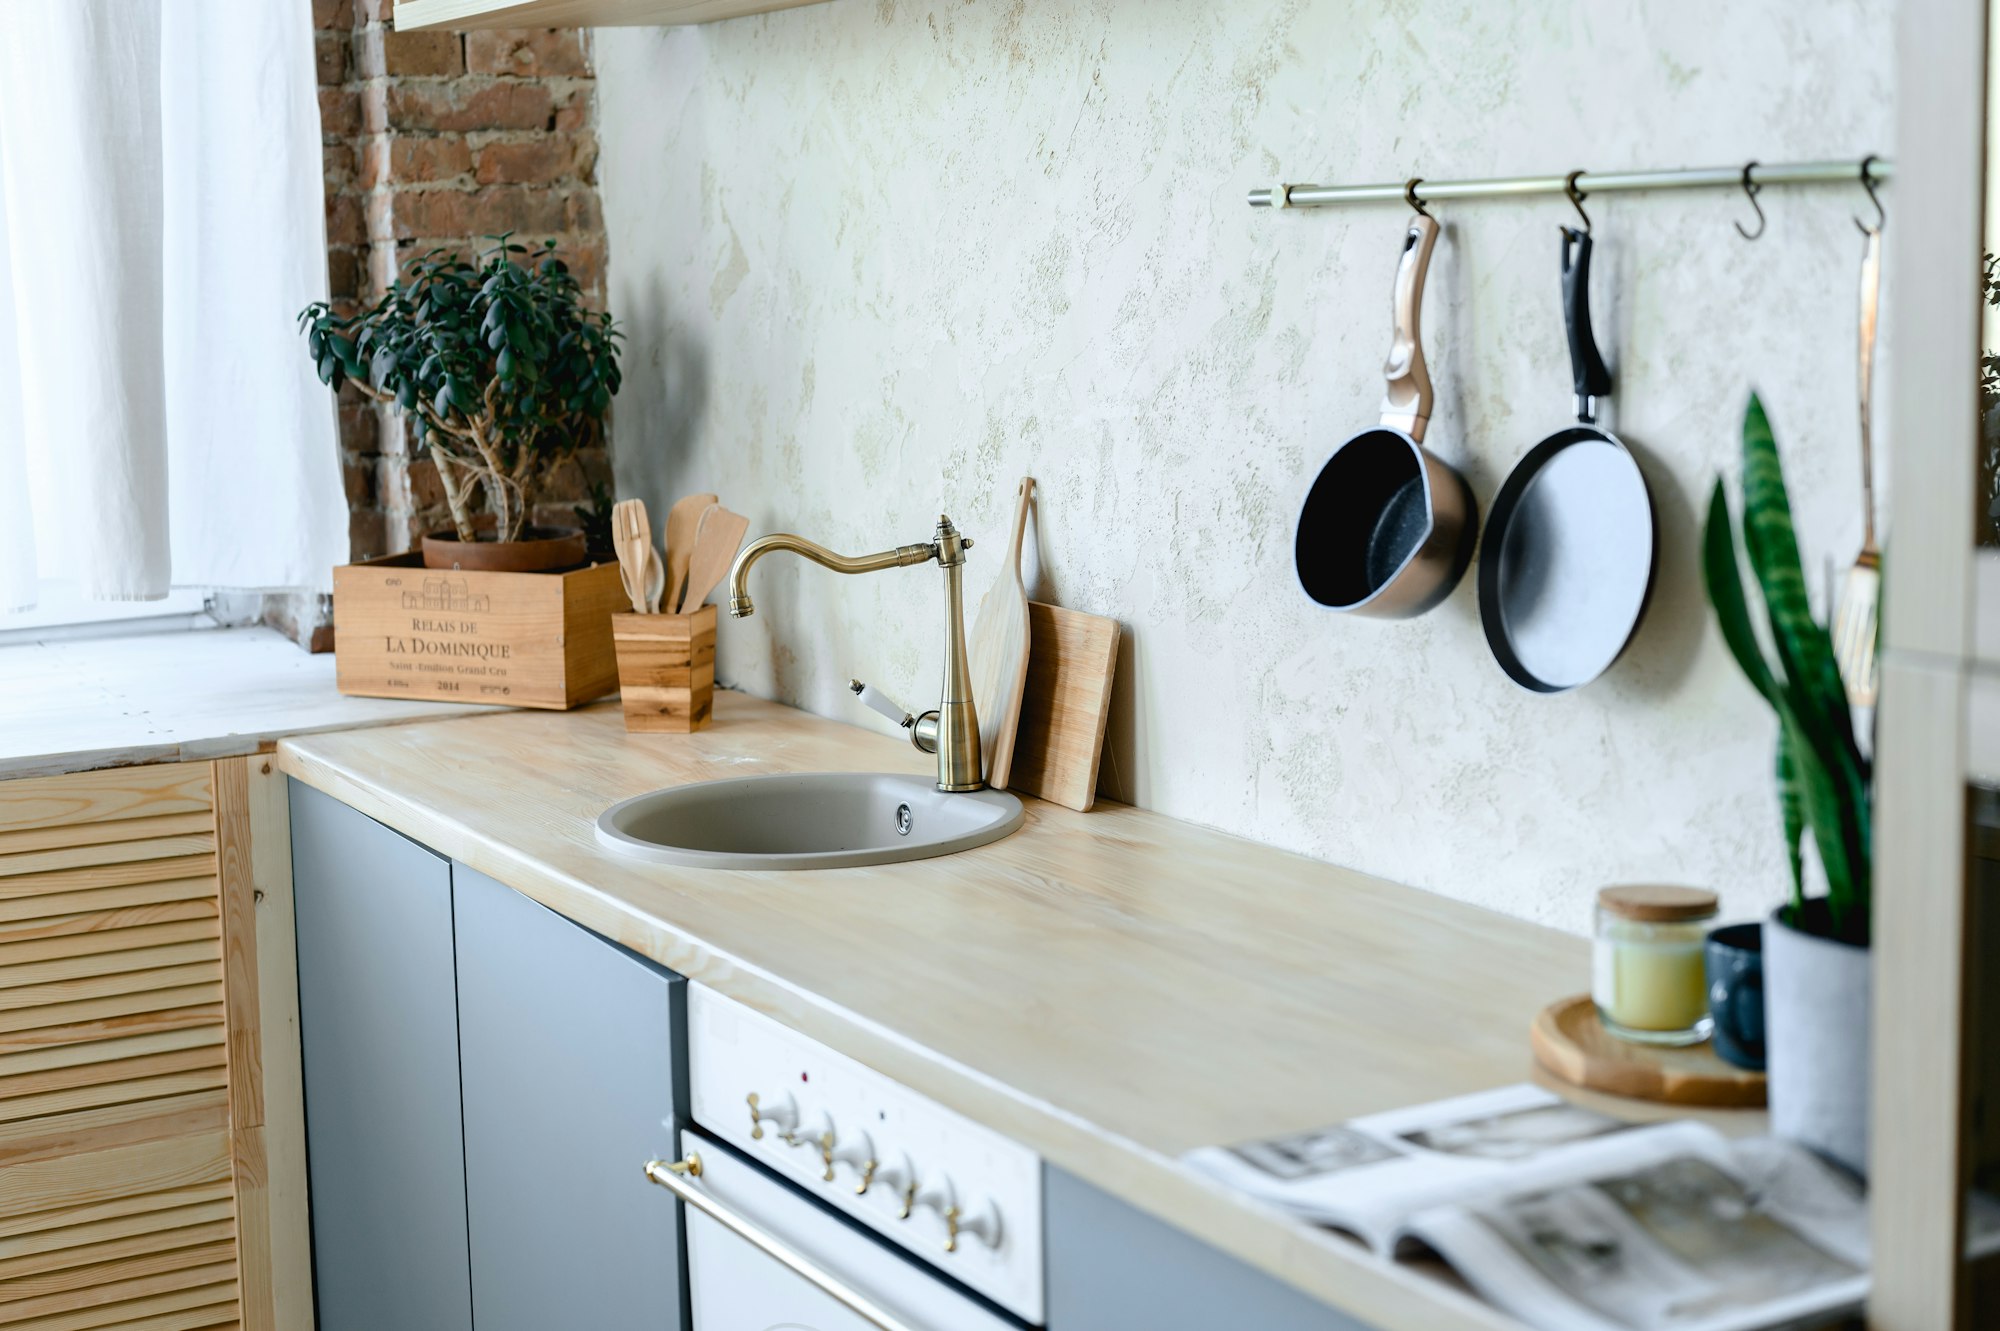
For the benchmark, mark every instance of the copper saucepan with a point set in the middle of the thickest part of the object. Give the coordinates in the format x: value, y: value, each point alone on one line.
x: 1388, y: 528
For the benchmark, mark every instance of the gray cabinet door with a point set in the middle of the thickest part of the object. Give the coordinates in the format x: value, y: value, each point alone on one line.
x: 1113, y: 1268
x: 378, y: 1023
x: 568, y: 1049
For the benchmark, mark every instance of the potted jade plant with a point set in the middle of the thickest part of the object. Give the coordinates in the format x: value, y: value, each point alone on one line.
x: 504, y: 371
x: 1816, y: 960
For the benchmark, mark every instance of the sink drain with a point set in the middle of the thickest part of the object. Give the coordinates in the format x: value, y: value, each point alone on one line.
x: 903, y: 820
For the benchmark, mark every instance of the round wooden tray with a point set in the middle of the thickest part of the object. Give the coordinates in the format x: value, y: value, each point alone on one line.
x: 1572, y: 1044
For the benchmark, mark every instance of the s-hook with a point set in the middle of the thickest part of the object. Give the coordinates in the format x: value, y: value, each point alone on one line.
x: 1868, y: 183
x: 1576, y: 198
x: 1750, y: 188
x: 1410, y: 195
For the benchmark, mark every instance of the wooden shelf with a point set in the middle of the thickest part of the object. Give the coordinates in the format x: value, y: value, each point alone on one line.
x: 418, y: 15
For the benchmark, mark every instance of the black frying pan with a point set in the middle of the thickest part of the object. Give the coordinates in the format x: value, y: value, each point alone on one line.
x: 1570, y: 539
x: 1387, y: 529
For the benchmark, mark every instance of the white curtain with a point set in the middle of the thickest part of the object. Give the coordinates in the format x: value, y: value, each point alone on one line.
x: 160, y: 227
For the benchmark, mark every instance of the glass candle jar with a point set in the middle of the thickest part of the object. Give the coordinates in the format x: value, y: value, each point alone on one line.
x: 1648, y: 978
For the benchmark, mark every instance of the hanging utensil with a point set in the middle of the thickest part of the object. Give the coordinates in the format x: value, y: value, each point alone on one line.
x: 1861, y: 593
x: 1387, y: 530
x: 1570, y: 539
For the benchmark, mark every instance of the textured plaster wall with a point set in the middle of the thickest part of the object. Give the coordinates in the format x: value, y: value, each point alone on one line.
x: 878, y: 258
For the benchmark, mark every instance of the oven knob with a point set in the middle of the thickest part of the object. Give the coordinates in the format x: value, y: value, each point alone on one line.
x: 983, y: 1223
x: 781, y: 1113
x: 938, y: 1194
x: 819, y: 1137
x: 896, y: 1172
x: 858, y: 1154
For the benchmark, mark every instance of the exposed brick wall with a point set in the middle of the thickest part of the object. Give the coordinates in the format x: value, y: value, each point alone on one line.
x: 439, y: 139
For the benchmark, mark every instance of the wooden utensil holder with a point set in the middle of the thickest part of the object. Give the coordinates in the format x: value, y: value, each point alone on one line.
x: 666, y: 670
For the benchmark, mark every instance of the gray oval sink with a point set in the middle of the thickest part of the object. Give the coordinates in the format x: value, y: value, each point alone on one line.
x: 821, y: 820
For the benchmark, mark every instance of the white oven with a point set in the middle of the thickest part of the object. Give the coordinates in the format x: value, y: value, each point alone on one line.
x: 761, y: 1257
x: 821, y: 1196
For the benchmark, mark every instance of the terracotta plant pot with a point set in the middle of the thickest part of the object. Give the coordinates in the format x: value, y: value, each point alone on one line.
x: 1816, y: 1006
x: 541, y: 550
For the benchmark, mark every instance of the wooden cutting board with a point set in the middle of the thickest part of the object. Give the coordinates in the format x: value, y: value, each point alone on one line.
x: 999, y: 653
x: 1065, y: 705
x: 1572, y: 1043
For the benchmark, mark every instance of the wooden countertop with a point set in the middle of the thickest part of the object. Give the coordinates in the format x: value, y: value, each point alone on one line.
x: 1110, y: 988
x: 75, y: 705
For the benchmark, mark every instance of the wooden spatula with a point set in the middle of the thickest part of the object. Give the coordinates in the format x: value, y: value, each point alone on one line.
x: 683, y: 521
x: 714, y: 551
x: 999, y: 652
x: 633, y: 544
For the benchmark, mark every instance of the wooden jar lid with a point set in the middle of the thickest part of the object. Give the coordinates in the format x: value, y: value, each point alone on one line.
x: 1658, y: 905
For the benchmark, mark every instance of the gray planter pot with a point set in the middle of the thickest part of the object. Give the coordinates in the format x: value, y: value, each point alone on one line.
x: 1816, y: 1024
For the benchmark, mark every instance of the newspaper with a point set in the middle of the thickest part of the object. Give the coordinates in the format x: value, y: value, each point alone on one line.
x: 1573, y: 1221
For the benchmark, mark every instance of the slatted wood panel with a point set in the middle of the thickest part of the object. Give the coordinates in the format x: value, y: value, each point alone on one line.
x: 118, y: 1155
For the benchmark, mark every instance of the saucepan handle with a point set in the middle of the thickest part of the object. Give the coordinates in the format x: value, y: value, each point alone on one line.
x: 1593, y: 381
x: 1406, y: 404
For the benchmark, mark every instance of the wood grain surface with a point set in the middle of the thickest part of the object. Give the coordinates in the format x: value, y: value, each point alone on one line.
x: 417, y: 15
x: 518, y: 639
x: 136, y: 1184
x: 1572, y: 1043
x: 998, y: 648
x: 1065, y: 706
x: 666, y: 670
x: 1110, y: 989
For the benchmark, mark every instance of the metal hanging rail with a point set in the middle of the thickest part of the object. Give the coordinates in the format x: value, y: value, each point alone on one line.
x: 1752, y: 177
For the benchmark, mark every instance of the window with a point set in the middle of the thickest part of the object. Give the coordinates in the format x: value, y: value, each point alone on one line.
x: 160, y: 228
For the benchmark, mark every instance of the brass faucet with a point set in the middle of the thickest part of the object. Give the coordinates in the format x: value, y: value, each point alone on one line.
x: 951, y: 730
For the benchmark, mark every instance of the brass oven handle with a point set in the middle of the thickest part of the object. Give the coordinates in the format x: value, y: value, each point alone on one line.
x: 676, y: 1175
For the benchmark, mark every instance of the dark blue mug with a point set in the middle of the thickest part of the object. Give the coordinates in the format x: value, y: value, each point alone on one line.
x: 1735, y: 958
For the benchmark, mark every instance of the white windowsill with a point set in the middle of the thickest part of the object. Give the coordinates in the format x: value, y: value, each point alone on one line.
x: 62, y: 611
x: 71, y: 704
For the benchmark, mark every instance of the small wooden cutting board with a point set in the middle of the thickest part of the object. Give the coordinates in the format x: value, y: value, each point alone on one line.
x: 1065, y: 705
x: 1572, y: 1044
x: 999, y: 651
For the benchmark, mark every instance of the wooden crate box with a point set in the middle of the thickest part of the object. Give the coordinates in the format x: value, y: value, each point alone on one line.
x: 519, y: 639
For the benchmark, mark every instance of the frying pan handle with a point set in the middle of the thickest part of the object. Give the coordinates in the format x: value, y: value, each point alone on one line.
x: 1593, y: 381
x: 1871, y: 296
x: 1406, y: 404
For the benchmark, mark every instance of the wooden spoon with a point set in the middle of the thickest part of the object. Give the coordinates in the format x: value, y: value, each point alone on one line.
x: 999, y: 652
x: 656, y: 579
x: 683, y: 522
x: 714, y: 551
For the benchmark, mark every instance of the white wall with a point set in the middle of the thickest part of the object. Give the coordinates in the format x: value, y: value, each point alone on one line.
x: 877, y: 258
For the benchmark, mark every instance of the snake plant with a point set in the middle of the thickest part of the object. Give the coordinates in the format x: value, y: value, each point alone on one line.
x: 1822, y: 777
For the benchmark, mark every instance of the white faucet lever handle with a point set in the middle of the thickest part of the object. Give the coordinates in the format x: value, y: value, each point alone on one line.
x: 876, y: 700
